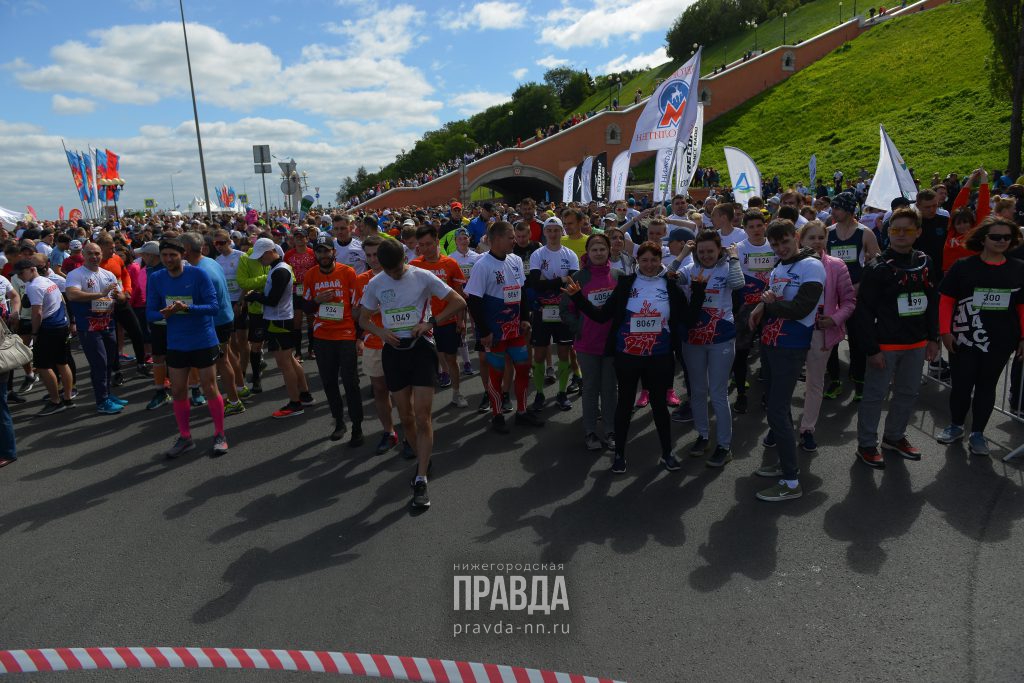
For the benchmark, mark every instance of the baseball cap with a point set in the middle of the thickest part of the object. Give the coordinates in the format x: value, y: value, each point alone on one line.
x: 898, y: 202
x: 385, y: 212
x: 76, y: 245
x: 262, y: 246
x: 152, y: 248
x: 680, y: 235
x: 554, y: 220
x: 461, y: 231
x: 611, y: 218
x: 408, y: 222
x: 455, y: 205
x: 323, y: 242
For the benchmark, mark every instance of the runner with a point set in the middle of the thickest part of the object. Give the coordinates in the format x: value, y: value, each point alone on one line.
x: 981, y: 320
x: 347, y: 249
x: 301, y: 259
x: 185, y: 297
x: 447, y: 337
x: 229, y: 259
x: 465, y: 258
x: 123, y: 314
x: 401, y: 293
x: 252, y: 277
x: 897, y: 309
x: 551, y: 267
x: 756, y: 261
x: 722, y: 219
x: 50, y: 336
x: 573, y: 220
x: 788, y: 309
x: 278, y: 314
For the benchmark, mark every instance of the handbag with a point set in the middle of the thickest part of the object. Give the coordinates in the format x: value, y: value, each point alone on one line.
x: 13, y: 352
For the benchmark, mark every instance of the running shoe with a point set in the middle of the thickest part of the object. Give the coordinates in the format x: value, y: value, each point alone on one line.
x: 420, y: 500
x: 233, y: 408
x: 257, y: 387
x: 306, y: 398
x: 835, y: 387
x: 592, y: 442
x: 672, y: 399
x: 903, y: 447
x: 498, y: 424
x: 485, y: 404
x: 698, y: 447
x: 288, y: 410
x: 467, y: 369
x: 160, y: 398
x: 117, y: 379
x: 388, y: 440
x: 181, y: 445
x: 529, y: 420
x: 74, y: 392
x: 609, y: 441
x: 740, y: 406
x: 562, y: 401
x: 780, y: 492
x: 27, y: 384
x: 197, y: 398
x: 720, y: 457
x: 108, y: 407
x: 642, y: 400
x: 538, y: 402
x: 444, y: 380
x: 51, y: 408
x: 977, y: 444
x: 119, y: 401
x: 220, y: 445
x: 769, y: 440
x: 244, y: 393
x: 683, y: 413
x: 356, y: 439
x: 619, y: 464
x: 671, y: 463
x: 549, y: 376
x: 870, y: 456
x: 13, y: 397
x: 459, y: 401
x: 950, y: 434
x: 807, y: 442
x: 408, y: 452
x: 574, y: 386
x: 126, y: 357
x: 506, y: 403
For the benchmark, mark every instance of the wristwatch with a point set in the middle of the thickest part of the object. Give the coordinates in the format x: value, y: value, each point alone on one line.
x: 433, y: 321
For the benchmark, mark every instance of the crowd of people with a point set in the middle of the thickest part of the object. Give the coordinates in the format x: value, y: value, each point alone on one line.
x: 624, y: 306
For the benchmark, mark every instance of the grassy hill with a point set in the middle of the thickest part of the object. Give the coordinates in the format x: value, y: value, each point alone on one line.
x: 921, y: 76
x: 802, y: 23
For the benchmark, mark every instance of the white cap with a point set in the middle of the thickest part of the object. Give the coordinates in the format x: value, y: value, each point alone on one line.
x: 554, y: 220
x: 262, y: 246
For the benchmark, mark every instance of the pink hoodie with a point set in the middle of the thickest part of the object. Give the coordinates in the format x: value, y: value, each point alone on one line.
x: 593, y: 336
x: 840, y: 298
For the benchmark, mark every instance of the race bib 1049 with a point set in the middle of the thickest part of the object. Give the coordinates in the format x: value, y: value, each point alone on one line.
x: 400, y: 319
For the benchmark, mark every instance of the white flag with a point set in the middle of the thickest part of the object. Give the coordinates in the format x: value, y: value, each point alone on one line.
x: 688, y: 157
x: 813, y: 168
x: 892, y: 178
x: 669, y: 115
x: 746, y: 179
x: 620, y: 174
x: 664, y: 164
x: 567, y: 184
x: 585, y: 190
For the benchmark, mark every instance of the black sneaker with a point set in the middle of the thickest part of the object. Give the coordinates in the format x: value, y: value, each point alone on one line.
x: 306, y: 398
x: 339, y: 430
x: 27, y: 384
x: 769, y: 440
x: 257, y: 387
x: 528, y: 420
x: 13, y: 397
x: 118, y: 379
x: 574, y: 385
x: 683, y: 413
x: 619, y: 464
x: 485, y: 404
x: 51, y: 408
x: 144, y: 370
x: 699, y: 447
x: 506, y: 403
x: 562, y: 401
x: 408, y: 452
x: 720, y: 457
x: 420, y: 501
x: 387, y: 442
x: 538, y: 402
x: 740, y: 406
x: 807, y: 442
x: 356, y: 439
x: 498, y: 424
x: 670, y: 462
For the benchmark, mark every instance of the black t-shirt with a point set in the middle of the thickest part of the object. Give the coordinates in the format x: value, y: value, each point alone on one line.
x: 987, y: 297
x: 931, y: 242
x: 525, y: 252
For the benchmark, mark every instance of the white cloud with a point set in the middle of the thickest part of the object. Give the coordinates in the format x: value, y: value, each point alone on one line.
x: 387, y: 33
x: 469, y: 103
x: 519, y: 74
x: 551, y: 62
x: 72, y: 105
x: 487, y: 15
x: 609, y: 21
x: 647, y: 61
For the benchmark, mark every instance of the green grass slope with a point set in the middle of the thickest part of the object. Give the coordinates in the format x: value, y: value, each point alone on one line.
x: 921, y: 76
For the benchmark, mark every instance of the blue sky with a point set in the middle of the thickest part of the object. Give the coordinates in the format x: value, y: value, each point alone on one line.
x: 333, y: 83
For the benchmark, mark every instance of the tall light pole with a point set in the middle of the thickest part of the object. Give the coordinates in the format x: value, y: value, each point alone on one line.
x: 753, y: 24
x: 195, y: 114
x: 840, y: 12
x: 784, y: 15
x: 174, y: 202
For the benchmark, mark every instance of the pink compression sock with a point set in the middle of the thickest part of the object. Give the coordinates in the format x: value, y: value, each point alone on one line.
x: 181, y: 408
x: 216, y: 405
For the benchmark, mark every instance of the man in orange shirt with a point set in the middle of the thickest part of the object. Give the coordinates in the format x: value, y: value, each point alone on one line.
x: 447, y: 336
x: 327, y: 296
x: 123, y: 313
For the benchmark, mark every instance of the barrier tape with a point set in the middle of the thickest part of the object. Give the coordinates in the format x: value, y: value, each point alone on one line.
x: 342, y: 663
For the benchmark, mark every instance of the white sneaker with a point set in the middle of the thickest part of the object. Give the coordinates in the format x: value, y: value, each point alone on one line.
x: 459, y: 401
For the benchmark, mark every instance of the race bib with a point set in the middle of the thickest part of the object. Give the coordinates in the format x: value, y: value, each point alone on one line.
x: 512, y: 294
x: 465, y: 270
x: 298, y: 289
x: 400, y: 319
x: 332, y: 311
x: 645, y: 324
x: 551, y: 314
x: 912, y: 303
x: 102, y: 305
x: 760, y: 262
x: 844, y: 252
x: 711, y: 298
x: 233, y: 287
x: 991, y: 299
x: 598, y: 297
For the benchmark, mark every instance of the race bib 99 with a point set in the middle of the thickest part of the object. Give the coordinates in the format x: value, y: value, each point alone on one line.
x: 912, y: 303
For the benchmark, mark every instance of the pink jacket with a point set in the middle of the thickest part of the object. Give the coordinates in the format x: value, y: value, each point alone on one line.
x: 840, y: 298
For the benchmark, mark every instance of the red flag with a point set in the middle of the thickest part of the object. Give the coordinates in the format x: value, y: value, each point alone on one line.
x: 32, y: 212
x: 75, y: 215
x: 112, y: 171
x: 60, y: 213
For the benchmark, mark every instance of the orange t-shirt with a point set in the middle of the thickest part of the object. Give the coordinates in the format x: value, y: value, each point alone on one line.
x: 116, y: 266
x: 371, y: 341
x: 448, y: 271
x: 333, y: 320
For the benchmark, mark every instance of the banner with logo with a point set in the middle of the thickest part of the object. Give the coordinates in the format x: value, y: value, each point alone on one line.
x: 670, y: 113
x: 60, y: 213
x: 620, y: 176
x: 149, y: 203
x: 813, y: 168
x: 113, y: 173
x: 664, y: 165
x: 892, y: 177
x: 76, y: 175
x: 689, y: 156
x: 599, y: 178
x: 567, y: 185
x: 746, y: 179
x: 577, y: 186
x: 586, y: 173
x: 75, y: 215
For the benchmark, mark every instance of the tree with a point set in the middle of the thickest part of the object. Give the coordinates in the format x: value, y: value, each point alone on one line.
x: 1004, y: 19
x: 344, y: 190
x: 558, y: 78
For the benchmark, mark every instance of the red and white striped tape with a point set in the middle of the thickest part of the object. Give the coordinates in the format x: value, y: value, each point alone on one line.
x: 343, y: 663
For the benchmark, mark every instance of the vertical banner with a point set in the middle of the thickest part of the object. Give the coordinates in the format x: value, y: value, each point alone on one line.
x: 892, y: 177
x: 113, y: 172
x: 599, y: 178
x: 76, y: 175
x: 746, y: 179
x: 586, y: 174
x: 567, y: 185
x: 669, y: 115
x: 32, y: 212
x: 75, y: 215
x: 813, y: 168
x: 687, y: 160
x: 60, y: 212
x: 577, y: 187
x: 663, y: 167
x: 620, y: 176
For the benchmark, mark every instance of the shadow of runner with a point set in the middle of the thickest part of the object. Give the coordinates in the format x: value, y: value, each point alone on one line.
x: 879, y: 505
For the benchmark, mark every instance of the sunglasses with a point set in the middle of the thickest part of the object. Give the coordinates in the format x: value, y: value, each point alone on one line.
x: 1001, y: 237
x: 220, y: 243
x: 902, y: 231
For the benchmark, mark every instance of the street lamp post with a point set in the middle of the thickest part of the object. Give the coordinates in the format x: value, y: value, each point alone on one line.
x: 784, y: 15
x: 174, y: 202
x: 753, y: 24
x: 840, y: 12
x: 195, y: 114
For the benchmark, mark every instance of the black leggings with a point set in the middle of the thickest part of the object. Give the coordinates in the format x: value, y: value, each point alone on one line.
x: 974, y: 372
x: 858, y: 359
x: 336, y: 363
x: 125, y: 317
x: 657, y: 373
x: 1016, y: 375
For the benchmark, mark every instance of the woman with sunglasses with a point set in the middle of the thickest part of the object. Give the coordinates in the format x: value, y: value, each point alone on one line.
x: 981, y: 323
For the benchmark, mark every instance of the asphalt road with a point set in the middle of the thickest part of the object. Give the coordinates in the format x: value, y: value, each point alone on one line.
x: 291, y: 541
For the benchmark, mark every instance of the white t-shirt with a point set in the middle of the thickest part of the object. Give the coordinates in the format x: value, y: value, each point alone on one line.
x: 92, y: 281
x: 785, y: 281
x: 410, y: 255
x: 403, y: 303
x: 465, y: 261
x: 42, y: 291
x: 62, y: 282
x: 229, y: 264
x: 735, y: 237
x: 756, y: 259
x: 19, y: 286
x: 44, y: 248
x: 5, y: 286
x: 351, y: 254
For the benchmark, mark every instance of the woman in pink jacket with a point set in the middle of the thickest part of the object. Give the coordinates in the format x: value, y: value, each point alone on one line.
x: 838, y: 301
